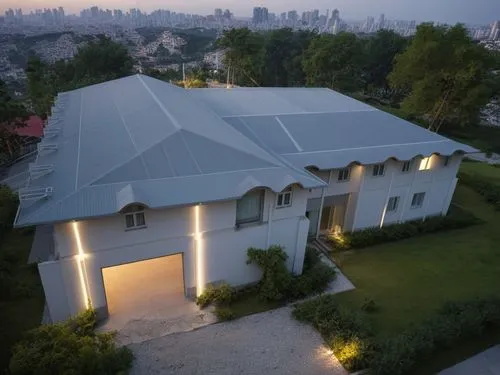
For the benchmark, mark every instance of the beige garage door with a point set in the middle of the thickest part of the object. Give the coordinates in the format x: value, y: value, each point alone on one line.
x: 152, y: 287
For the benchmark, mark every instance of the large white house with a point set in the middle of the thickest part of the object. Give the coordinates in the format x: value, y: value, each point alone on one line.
x: 136, y: 170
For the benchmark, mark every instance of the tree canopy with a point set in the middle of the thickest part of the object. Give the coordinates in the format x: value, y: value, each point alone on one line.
x: 447, y: 76
x: 100, y: 60
x: 12, y: 115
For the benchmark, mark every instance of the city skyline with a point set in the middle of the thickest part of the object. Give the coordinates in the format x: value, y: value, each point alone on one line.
x: 449, y: 11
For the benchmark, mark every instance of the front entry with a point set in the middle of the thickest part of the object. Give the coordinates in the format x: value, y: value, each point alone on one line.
x: 330, y: 218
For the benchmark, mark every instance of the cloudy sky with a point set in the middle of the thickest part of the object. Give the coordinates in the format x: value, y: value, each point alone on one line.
x: 451, y: 11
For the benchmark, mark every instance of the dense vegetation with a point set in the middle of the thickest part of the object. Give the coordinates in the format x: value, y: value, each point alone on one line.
x: 276, y: 286
x: 12, y: 114
x: 456, y: 219
x: 100, y: 60
x: 351, y: 337
x: 71, y: 347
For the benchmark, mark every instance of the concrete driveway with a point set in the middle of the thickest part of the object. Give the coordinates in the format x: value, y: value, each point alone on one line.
x: 267, y: 343
x: 485, y: 363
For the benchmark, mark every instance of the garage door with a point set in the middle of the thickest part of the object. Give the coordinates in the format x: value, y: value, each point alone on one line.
x: 152, y: 287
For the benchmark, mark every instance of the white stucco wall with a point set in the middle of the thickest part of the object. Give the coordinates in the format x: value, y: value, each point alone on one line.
x: 106, y: 243
x: 369, y: 194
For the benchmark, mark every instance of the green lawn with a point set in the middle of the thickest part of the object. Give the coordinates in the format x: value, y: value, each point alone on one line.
x: 483, y: 170
x: 22, y: 313
x: 409, y: 279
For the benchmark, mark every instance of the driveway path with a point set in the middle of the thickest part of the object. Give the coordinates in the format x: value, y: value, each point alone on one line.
x: 267, y: 343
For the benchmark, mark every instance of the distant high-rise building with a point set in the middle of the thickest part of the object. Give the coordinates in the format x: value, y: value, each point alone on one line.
x: 495, y: 31
x: 293, y: 16
x: 218, y: 14
x: 260, y: 15
x: 227, y: 14
x: 94, y: 12
x: 381, y: 21
x: 335, y: 14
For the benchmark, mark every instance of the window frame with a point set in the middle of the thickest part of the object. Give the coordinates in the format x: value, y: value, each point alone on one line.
x: 378, y: 167
x: 262, y: 195
x: 421, y: 204
x: 134, y: 212
x: 287, y: 192
x: 396, y: 199
x: 345, y: 173
x: 406, y: 163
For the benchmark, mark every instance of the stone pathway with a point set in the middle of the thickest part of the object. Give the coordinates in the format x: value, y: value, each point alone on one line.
x: 271, y: 342
x: 485, y: 363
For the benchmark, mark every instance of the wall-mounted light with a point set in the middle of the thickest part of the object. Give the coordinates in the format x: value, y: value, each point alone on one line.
x: 80, y: 261
x: 200, y: 260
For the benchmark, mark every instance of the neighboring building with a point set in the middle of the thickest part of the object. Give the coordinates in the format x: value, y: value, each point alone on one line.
x: 137, y: 169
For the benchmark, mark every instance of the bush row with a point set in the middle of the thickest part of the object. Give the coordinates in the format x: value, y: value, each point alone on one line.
x: 350, y: 336
x: 457, y: 218
x: 489, y: 190
x: 276, y: 284
x: 8, y: 208
x: 71, y: 347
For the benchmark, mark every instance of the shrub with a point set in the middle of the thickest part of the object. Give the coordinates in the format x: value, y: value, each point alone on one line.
x: 276, y: 280
x: 454, y: 321
x: 346, y: 332
x: 369, y: 306
x: 224, y: 313
x: 457, y: 218
x: 481, y: 185
x: 8, y: 207
x: 315, y: 277
x: 71, y: 347
x: 221, y: 294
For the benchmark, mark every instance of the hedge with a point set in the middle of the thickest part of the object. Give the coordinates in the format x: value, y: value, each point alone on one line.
x: 456, y: 219
x: 481, y: 185
x: 350, y: 336
x: 71, y: 347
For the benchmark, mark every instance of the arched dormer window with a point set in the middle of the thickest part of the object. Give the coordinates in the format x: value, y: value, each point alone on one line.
x: 134, y: 216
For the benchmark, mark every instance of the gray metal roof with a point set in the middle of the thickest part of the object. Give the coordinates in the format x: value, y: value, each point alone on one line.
x: 321, y: 128
x: 138, y: 139
x: 141, y: 140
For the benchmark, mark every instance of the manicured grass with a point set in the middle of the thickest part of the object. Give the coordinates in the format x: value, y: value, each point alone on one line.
x: 482, y: 169
x: 410, y: 279
x: 23, y: 313
x: 252, y: 304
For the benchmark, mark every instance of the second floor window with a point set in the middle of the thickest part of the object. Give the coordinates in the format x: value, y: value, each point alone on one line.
x: 134, y: 217
x: 249, y: 207
x: 284, y: 199
x: 343, y: 174
x: 378, y: 170
x: 406, y: 166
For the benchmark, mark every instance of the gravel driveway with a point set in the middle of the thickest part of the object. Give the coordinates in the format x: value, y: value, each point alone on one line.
x: 267, y: 343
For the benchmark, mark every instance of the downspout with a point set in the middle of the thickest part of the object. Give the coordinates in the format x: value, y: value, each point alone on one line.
x: 322, y: 203
x: 361, y: 185
x: 384, y: 210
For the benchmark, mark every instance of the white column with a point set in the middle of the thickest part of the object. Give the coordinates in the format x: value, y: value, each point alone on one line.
x: 361, y: 185
x: 269, y: 225
x: 384, y: 209
x: 322, y: 203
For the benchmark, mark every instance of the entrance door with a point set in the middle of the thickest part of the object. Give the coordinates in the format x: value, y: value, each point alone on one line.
x: 326, y: 218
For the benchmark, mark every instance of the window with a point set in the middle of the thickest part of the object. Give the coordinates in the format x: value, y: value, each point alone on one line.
x: 344, y: 174
x: 284, y: 198
x: 249, y: 207
x: 406, y: 166
x: 134, y: 216
x: 446, y: 161
x: 425, y: 164
x: 417, y: 200
x: 378, y: 170
x: 392, y: 205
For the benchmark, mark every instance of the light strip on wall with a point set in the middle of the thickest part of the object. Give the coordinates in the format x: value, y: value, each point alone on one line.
x: 82, y: 272
x: 200, y: 262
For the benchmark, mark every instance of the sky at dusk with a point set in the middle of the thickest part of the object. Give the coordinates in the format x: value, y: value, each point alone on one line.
x: 450, y: 11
